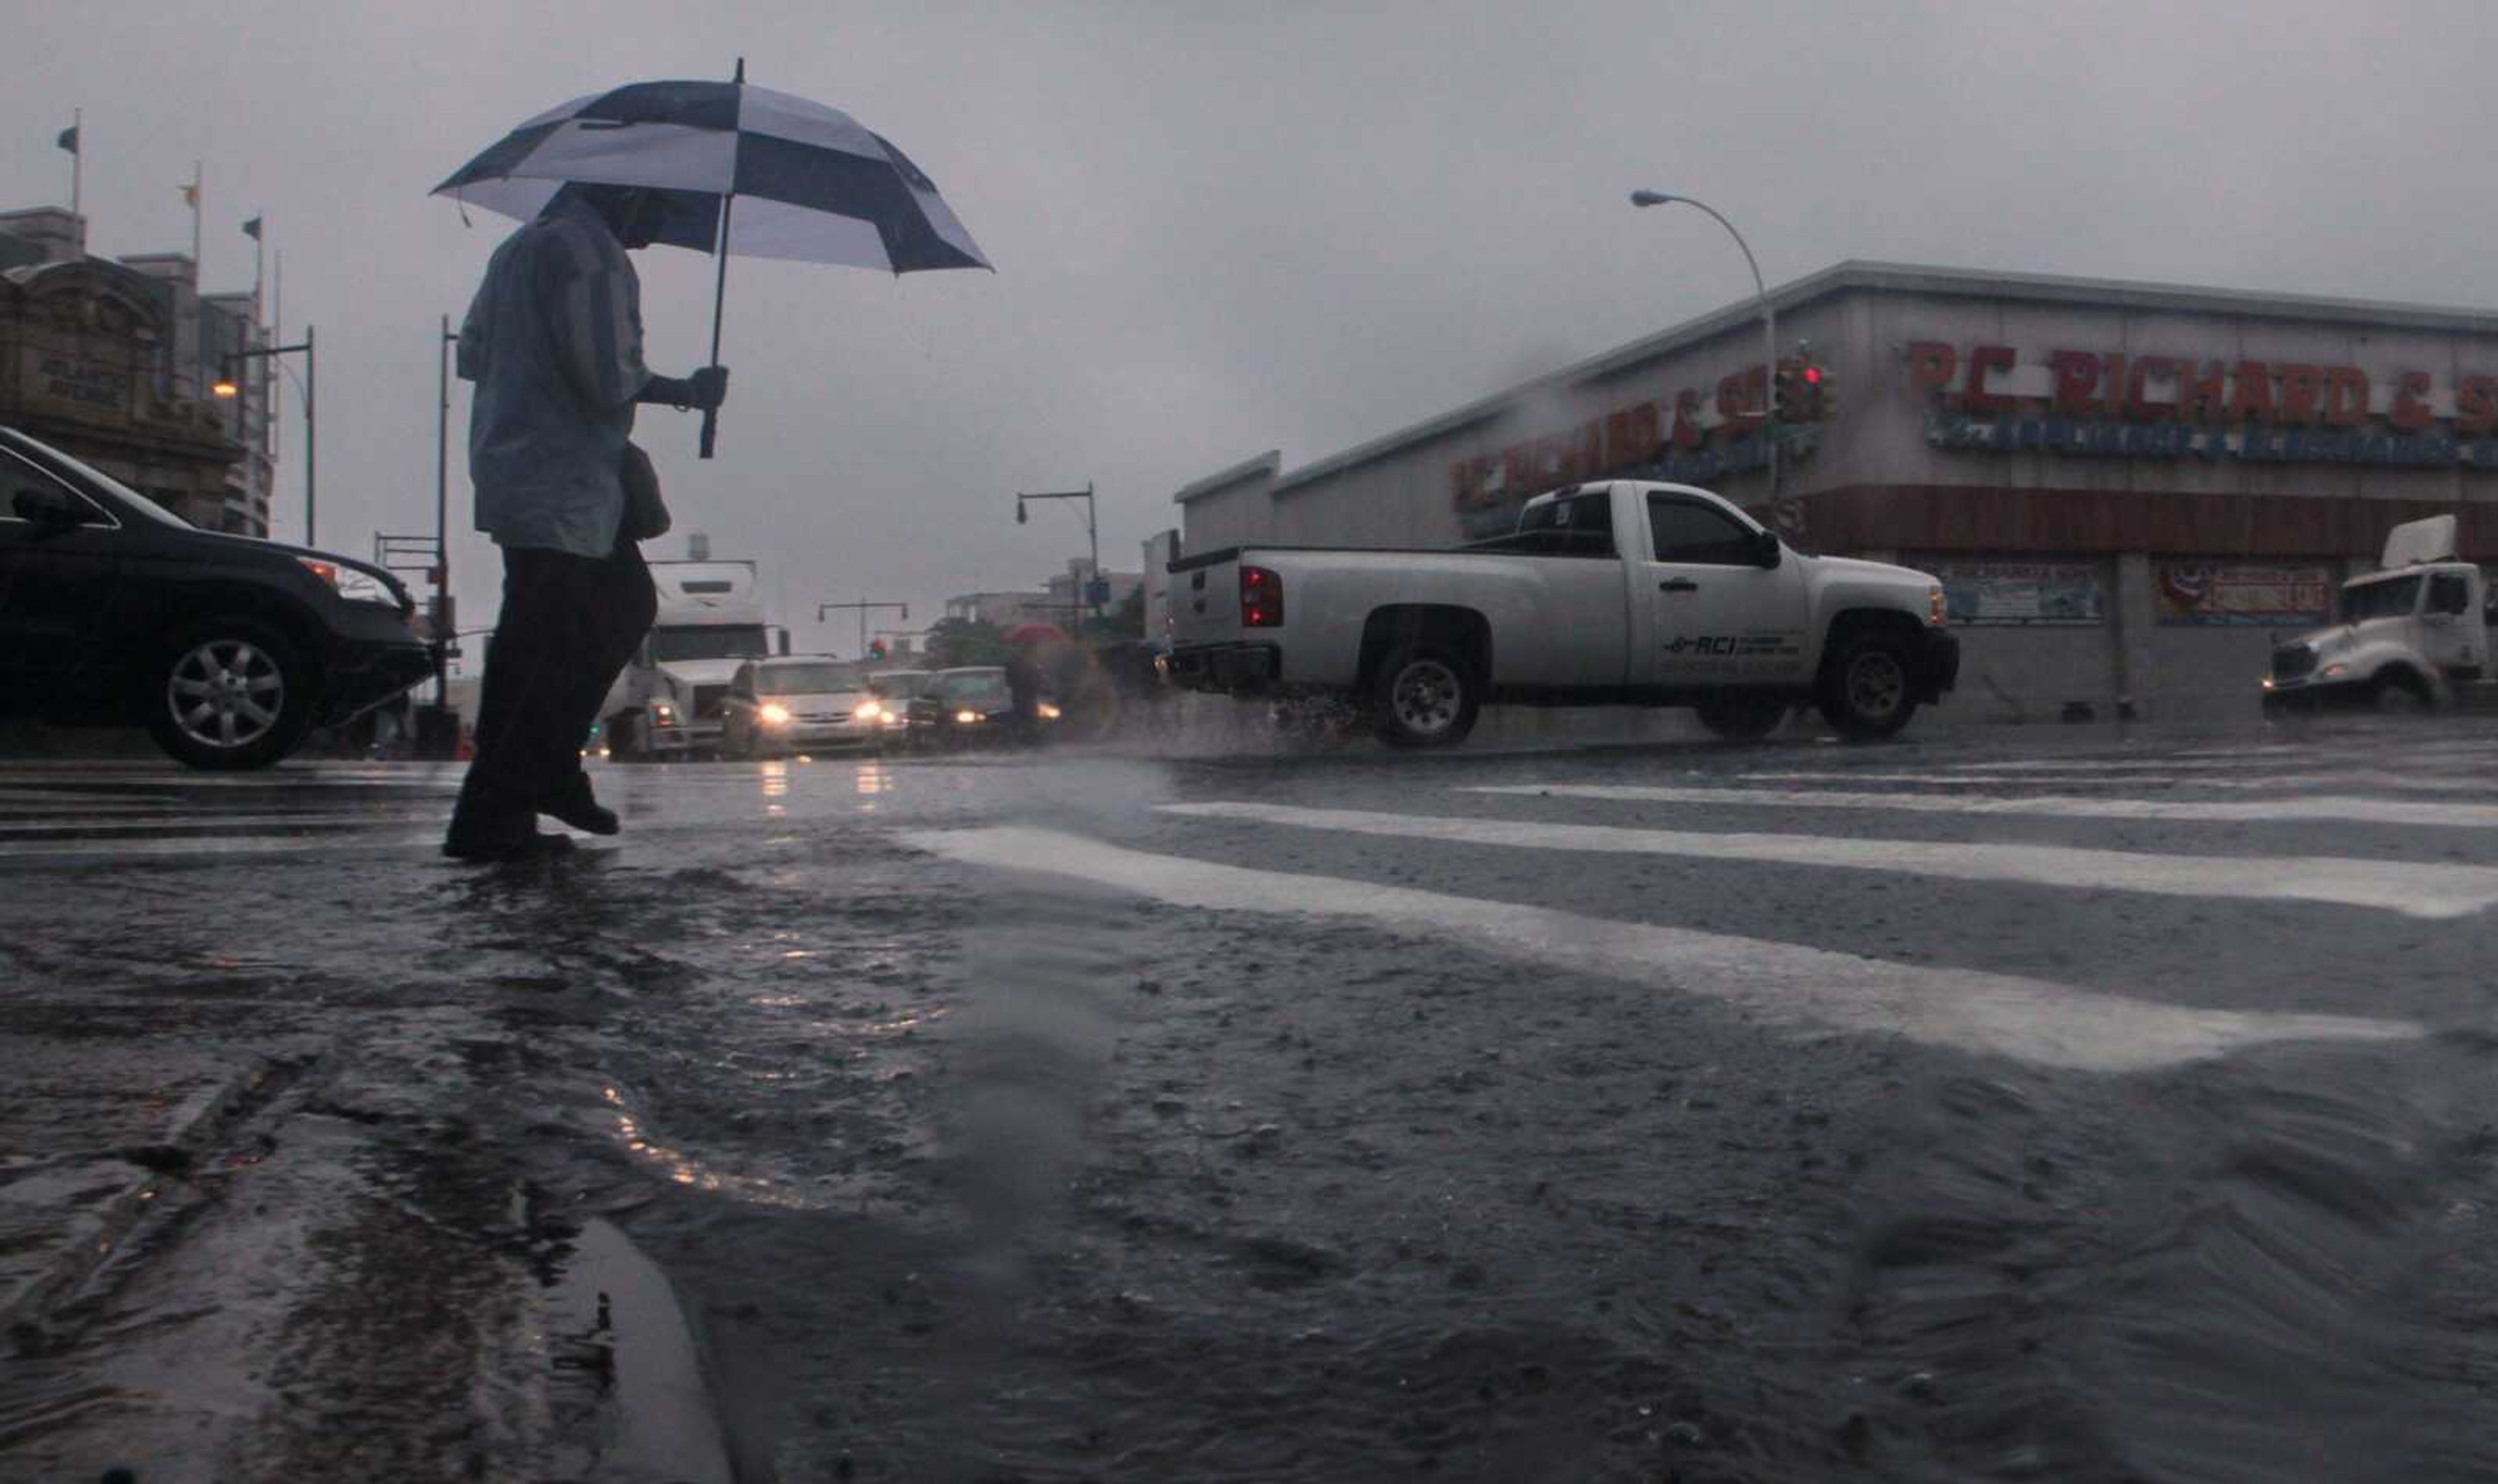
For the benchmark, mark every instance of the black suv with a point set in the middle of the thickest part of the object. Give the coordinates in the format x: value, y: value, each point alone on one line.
x: 227, y: 648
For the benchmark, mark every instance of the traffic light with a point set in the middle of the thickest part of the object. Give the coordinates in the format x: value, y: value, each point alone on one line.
x: 875, y: 648
x: 1786, y: 395
x: 1825, y: 395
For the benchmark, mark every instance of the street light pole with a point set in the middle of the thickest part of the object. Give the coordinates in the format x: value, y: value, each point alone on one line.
x: 1769, y: 327
x: 225, y: 387
x: 1093, y: 539
x: 442, y: 516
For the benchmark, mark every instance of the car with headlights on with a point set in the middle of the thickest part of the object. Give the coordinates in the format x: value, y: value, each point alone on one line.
x: 114, y: 611
x: 888, y: 697
x: 961, y: 708
x: 795, y: 702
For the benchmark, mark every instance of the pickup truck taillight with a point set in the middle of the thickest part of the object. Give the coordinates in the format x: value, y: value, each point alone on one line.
x: 1261, y: 599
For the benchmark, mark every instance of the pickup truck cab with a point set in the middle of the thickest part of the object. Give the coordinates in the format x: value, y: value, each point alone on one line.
x: 1622, y: 593
x: 2413, y: 634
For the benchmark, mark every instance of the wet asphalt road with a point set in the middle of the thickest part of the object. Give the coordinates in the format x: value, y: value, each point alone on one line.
x: 2065, y: 1105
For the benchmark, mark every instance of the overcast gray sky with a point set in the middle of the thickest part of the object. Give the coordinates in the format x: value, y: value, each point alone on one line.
x: 1225, y: 228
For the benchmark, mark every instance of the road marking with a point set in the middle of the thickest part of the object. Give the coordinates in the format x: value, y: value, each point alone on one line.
x: 2273, y: 782
x: 1800, y: 988
x: 2438, y: 891
x: 2373, y: 811
x: 109, y: 850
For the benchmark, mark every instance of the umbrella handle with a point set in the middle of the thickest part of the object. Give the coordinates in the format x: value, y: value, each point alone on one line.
x: 719, y: 292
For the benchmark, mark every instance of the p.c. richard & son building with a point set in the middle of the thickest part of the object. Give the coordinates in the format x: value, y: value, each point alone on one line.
x: 2127, y: 488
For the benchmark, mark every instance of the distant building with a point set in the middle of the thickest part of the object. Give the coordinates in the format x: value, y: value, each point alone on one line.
x: 1059, y: 600
x: 112, y: 363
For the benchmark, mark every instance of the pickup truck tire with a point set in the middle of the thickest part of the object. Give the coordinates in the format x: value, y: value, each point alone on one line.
x: 228, y: 694
x: 1424, y: 696
x: 2398, y: 694
x: 1741, y: 718
x: 1863, y: 691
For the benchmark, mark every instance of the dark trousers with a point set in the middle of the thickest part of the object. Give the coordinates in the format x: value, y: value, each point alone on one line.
x: 568, y: 625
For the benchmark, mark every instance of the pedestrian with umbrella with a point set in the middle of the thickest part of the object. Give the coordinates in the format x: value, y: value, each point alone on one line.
x: 554, y: 343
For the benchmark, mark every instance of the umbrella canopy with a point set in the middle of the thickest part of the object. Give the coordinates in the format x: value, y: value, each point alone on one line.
x: 1034, y: 633
x: 812, y: 183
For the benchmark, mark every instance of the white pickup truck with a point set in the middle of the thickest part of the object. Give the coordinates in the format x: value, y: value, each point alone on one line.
x: 2413, y: 635
x: 1624, y: 592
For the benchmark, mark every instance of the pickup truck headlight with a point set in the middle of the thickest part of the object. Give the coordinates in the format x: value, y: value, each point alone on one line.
x: 2336, y: 669
x: 666, y: 714
x: 774, y: 713
x: 1936, y: 614
x: 349, y: 583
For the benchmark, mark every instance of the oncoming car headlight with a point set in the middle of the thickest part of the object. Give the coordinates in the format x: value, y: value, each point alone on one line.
x: 868, y: 711
x: 1048, y: 712
x: 774, y: 714
x: 966, y: 718
x: 349, y: 583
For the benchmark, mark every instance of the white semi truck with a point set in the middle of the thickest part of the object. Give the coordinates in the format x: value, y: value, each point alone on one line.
x: 668, y: 702
x: 1622, y: 593
x: 2413, y: 634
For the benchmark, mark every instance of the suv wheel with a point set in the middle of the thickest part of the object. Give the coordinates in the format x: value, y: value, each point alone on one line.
x: 230, y: 694
x: 1864, y: 687
x: 1424, y: 697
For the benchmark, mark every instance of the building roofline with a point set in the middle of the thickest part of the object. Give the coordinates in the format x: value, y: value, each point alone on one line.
x: 1266, y: 465
x: 1861, y: 275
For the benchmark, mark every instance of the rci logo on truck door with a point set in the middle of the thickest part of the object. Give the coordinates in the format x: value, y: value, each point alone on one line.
x: 1765, y: 654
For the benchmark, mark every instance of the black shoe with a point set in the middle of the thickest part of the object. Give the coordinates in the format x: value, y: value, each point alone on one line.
x: 497, y: 848
x: 575, y: 805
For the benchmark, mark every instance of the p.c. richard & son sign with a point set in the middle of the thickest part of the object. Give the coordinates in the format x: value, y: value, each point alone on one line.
x: 1987, y: 398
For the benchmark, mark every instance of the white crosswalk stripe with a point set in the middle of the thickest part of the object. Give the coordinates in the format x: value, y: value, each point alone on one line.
x: 2283, y: 783
x: 2352, y: 808
x: 2429, y: 890
x: 2031, y: 1020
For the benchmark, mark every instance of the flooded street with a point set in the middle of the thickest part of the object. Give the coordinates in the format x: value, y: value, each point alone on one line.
x: 2104, y: 1108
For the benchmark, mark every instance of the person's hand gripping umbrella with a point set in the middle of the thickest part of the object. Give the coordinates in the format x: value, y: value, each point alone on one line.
x: 806, y: 182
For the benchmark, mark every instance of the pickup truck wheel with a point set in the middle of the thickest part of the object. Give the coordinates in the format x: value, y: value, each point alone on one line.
x: 1864, y: 689
x: 230, y: 694
x: 1742, y: 718
x: 2398, y: 695
x: 1424, y: 697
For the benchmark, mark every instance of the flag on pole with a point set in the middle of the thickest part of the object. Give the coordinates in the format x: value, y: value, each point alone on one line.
x: 251, y: 228
x: 191, y: 194
x: 68, y: 139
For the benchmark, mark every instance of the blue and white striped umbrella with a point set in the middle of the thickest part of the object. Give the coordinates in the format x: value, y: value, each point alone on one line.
x: 811, y: 183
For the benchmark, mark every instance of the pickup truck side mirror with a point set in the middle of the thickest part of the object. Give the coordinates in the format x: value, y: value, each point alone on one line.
x: 1767, y: 552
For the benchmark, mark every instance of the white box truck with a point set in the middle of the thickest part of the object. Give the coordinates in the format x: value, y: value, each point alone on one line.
x: 669, y: 700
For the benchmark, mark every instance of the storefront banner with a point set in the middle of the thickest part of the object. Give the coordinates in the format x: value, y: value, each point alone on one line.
x: 2018, y: 592
x: 2282, y: 595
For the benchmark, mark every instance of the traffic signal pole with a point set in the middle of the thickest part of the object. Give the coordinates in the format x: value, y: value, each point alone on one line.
x: 822, y: 608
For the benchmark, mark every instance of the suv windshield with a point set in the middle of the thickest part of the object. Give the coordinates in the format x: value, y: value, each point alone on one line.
x: 2392, y: 598
x: 728, y: 642
x: 805, y: 680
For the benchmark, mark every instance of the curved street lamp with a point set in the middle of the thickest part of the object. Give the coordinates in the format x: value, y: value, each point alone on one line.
x: 228, y: 386
x: 1768, y: 319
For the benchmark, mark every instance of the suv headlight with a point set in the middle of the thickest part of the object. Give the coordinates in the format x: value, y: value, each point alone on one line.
x: 774, y: 714
x: 349, y: 583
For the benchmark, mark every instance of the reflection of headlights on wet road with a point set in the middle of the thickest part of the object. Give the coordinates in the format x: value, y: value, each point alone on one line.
x: 966, y: 718
x: 774, y: 714
x: 1048, y: 712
